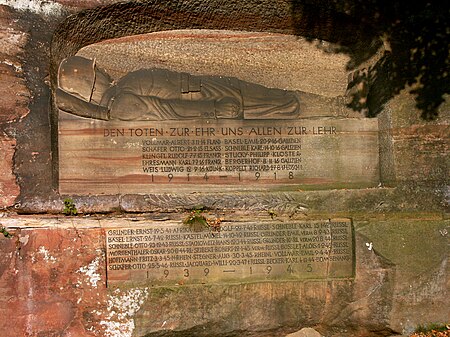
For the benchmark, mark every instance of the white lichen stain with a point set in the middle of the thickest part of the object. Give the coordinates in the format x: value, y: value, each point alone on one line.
x: 16, y: 66
x: 91, y: 272
x: 15, y: 38
x: 37, y: 6
x: 121, y: 308
x: 45, y: 255
x: 24, y: 240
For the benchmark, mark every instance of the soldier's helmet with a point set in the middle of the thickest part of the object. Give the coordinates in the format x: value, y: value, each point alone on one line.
x: 81, y: 77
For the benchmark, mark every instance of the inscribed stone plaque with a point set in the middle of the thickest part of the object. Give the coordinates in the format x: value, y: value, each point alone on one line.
x: 99, y: 157
x: 247, y: 251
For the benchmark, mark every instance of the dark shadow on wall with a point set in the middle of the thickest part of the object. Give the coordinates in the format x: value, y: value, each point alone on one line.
x: 416, y: 36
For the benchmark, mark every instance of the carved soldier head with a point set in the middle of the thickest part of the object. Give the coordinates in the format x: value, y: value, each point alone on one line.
x: 81, y: 77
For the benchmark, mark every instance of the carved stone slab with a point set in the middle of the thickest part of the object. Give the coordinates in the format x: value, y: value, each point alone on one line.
x: 120, y: 157
x: 251, y: 251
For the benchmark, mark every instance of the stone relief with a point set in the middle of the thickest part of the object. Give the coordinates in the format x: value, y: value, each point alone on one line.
x: 86, y: 90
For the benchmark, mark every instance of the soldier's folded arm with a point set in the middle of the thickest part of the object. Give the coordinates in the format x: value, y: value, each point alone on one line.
x: 77, y: 106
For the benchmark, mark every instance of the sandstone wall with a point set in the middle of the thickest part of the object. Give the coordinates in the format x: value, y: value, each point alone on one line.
x: 53, y: 273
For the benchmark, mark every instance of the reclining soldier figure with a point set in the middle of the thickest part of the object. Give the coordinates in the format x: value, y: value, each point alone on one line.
x: 88, y: 91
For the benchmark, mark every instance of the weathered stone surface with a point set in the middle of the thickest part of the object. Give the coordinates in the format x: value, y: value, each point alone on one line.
x: 14, y: 95
x: 423, y: 149
x: 49, y: 277
x: 369, y: 202
x: 81, y: 4
x: 421, y: 267
x: 420, y: 148
x: 14, y: 99
x: 31, y: 130
x: 305, y: 332
x: 13, y: 39
x: 9, y: 190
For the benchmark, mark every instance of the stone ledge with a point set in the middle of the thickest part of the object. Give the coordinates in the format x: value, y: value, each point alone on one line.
x: 14, y: 221
x: 410, y: 197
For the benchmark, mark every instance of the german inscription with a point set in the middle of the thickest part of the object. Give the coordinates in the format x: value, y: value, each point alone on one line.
x: 140, y: 157
x: 240, y: 251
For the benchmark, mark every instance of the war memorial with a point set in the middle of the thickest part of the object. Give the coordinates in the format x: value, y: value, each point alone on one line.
x: 210, y: 168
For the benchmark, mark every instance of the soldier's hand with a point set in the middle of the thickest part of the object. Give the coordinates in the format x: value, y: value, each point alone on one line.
x: 228, y: 107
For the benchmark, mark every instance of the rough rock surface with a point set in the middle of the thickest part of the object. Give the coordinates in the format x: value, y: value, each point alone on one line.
x: 14, y: 93
x: 53, y: 274
x: 49, y: 280
x: 14, y: 99
x: 8, y: 187
x: 305, y: 332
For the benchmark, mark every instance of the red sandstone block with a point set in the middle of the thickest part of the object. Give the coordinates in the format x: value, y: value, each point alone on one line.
x: 9, y: 189
x: 45, y: 286
x: 14, y: 95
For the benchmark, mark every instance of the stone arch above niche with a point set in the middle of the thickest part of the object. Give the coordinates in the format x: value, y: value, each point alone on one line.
x: 269, y: 59
x: 147, y: 16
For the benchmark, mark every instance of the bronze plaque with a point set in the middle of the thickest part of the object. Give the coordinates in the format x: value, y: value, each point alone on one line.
x: 251, y: 251
x: 155, y: 130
